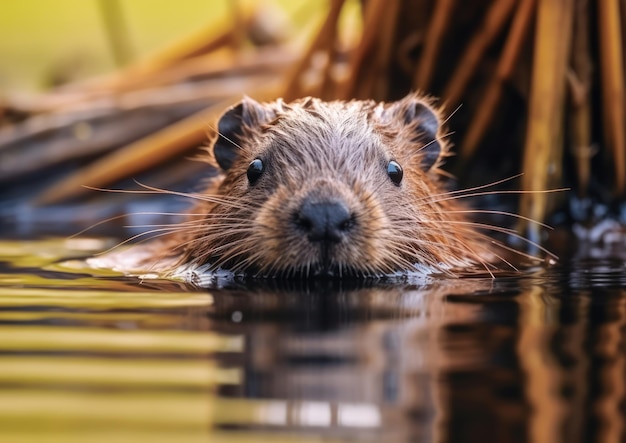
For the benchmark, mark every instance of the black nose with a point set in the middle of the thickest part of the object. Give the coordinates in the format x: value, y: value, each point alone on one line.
x: 324, y: 221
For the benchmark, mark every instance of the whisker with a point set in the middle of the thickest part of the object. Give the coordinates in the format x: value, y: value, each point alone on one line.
x: 478, y: 194
x: 516, y: 251
x: 475, y: 188
x: 495, y: 212
x: 214, y: 128
x: 134, y: 237
x: 436, y: 139
x: 101, y: 222
x: 154, y: 190
x: 451, y: 114
x: 507, y: 231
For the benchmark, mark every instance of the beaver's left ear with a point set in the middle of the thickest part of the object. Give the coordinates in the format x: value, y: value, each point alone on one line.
x: 232, y: 125
x: 420, y: 124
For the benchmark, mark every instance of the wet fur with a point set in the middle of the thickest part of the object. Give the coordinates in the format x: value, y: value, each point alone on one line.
x: 334, y: 150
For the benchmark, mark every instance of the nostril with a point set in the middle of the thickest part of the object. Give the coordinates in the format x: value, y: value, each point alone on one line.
x: 303, y: 222
x: 324, y: 221
x: 348, y: 224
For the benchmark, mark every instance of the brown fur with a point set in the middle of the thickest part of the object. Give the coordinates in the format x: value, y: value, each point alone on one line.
x: 339, y: 150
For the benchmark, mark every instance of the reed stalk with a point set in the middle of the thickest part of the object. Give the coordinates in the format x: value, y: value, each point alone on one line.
x: 544, y: 133
x: 437, y: 29
x: 361, y: 79
x: 322, y: 44
x: 486, y: 33
x: 614, y: 113
x: 522, y: 20
x: 145, y: 153
x: 580, y: 78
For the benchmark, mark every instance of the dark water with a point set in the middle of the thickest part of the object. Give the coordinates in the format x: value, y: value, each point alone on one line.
x: 538, y: 356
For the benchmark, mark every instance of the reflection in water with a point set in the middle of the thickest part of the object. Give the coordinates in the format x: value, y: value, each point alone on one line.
x: 537, y: 357
x: 369, y: 362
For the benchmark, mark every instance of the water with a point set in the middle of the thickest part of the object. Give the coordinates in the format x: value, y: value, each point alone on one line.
x: 90, y: 356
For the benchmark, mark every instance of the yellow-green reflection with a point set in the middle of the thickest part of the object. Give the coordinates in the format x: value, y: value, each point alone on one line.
x: 98, y: 299
x: 114, y: 373
x: 35, y: 338
x: 46, y: 411
x: 147, y: 320
x: 88, y: 359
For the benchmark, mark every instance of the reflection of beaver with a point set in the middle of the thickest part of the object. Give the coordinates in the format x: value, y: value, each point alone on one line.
x: 337, y: 188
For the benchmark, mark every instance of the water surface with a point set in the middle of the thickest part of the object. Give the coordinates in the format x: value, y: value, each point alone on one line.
x: 95, y: 356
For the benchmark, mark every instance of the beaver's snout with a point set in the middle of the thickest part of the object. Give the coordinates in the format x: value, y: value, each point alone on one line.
x: 324, y: 221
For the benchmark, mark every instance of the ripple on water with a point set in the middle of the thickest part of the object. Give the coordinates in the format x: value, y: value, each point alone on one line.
x: 91, y: 355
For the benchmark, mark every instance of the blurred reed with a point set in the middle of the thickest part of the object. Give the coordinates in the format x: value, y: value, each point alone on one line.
x: 555, y: 68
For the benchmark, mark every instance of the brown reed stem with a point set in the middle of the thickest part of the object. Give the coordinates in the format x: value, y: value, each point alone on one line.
x: 491, y: 26
x: 506, y: 66
x: 614, y: 115
x: 432, y: 42
x: 238, y: 32
x: 580, y: 85
x: 360, y: 82
x: 623, y: 23
x: 323, y: 43
x: 543, y: 146
x: 379, y: 73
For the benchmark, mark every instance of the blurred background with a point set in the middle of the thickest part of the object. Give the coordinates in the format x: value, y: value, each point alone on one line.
x: 108, y: 93
x: 46, y: 45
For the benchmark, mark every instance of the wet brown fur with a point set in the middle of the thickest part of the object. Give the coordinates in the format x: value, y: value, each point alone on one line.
x: 329, y: 150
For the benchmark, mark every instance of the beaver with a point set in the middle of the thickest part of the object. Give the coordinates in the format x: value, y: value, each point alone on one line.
x: 340, y: 188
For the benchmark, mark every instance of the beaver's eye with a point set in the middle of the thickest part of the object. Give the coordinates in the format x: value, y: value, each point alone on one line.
x: 394, y: 171
x: 255, y: 169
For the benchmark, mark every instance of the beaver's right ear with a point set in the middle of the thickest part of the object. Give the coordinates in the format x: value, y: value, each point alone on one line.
x: 231, y: 126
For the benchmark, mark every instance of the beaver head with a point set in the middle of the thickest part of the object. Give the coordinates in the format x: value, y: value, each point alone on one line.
x: 335, y: 188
